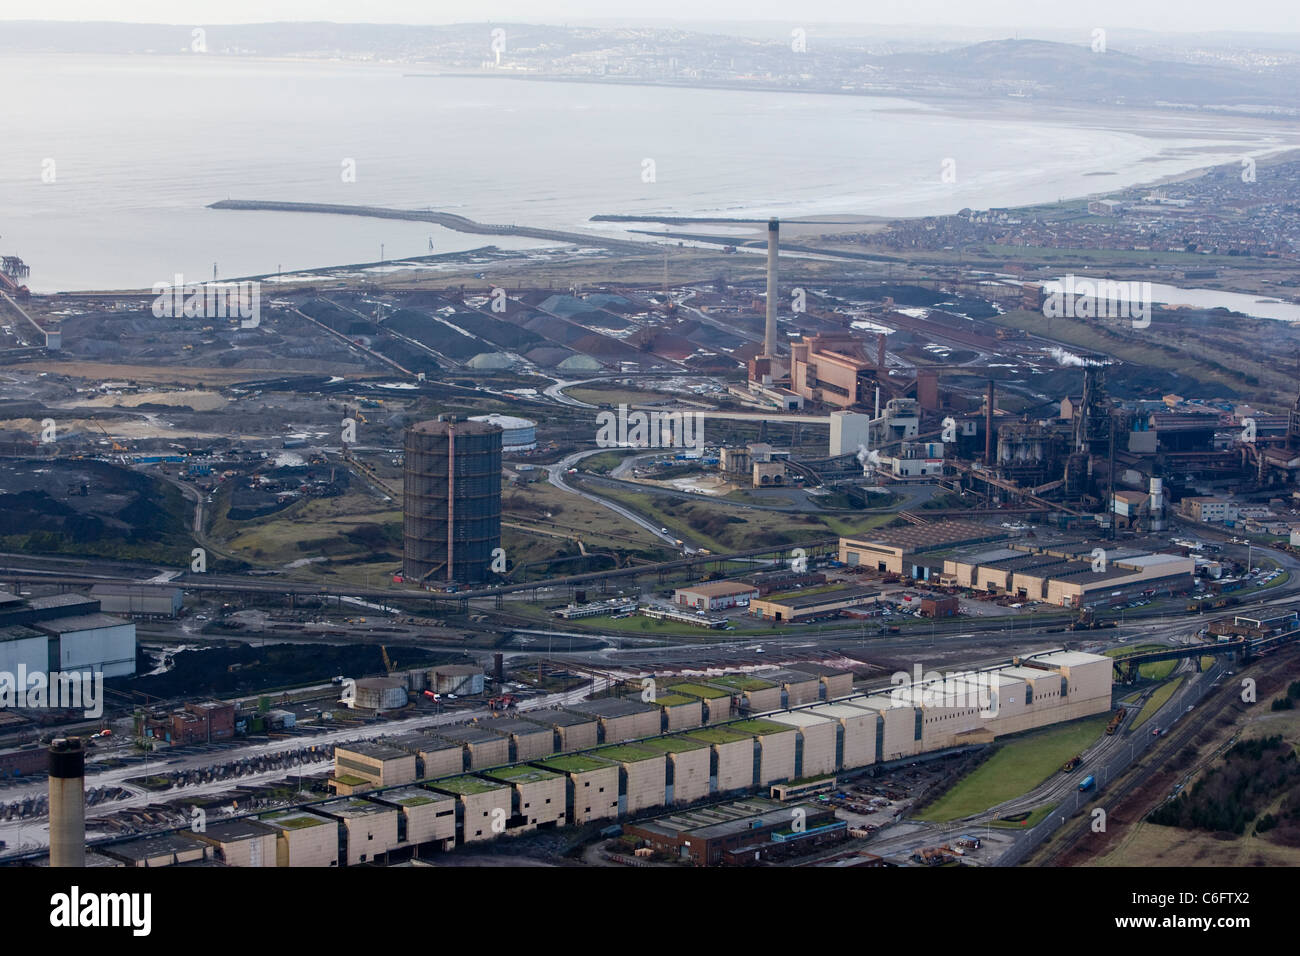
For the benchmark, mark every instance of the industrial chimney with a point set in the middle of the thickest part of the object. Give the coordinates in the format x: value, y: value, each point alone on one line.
x: 67, y: 802
x: 773, y: 244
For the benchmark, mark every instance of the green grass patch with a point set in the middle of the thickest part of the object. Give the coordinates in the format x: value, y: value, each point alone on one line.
x: 760, y: 727
x: 1157, y: 700
x: 718, y: 735
x: 1028, y: 822
x: 468, y: 785
x: 294, y: 821
x: 574, y: 763
x: 740, y: 682
x: 699, y: 690
x: 625, y: 753
x: 1015, y: 768
x: 1157, y: 670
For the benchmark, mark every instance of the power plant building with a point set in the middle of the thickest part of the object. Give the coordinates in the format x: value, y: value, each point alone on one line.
x: 452, y: 501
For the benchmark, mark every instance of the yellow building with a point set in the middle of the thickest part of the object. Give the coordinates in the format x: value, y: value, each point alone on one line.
x: 591, y: 792
x: 483, y: 806
x: 643, y: 779
x: 689, y: 763
x: 817, y: 738
x: 539, y: 798
x: 304, y: 839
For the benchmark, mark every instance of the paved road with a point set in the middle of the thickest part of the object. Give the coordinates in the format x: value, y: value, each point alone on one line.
x: 555, y: 475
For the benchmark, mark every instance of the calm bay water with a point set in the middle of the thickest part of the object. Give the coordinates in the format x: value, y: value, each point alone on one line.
x: 138, y: 146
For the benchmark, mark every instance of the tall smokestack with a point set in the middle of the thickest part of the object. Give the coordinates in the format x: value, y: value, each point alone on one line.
x: 988, y: 427
x: 67, y: 802
x: 773, y: 244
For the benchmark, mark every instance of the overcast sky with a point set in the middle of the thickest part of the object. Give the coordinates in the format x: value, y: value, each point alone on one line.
x: 1161, y: 15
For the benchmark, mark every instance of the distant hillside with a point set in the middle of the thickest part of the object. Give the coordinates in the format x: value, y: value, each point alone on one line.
x: 1034, y: 69
x: 1061, y: 71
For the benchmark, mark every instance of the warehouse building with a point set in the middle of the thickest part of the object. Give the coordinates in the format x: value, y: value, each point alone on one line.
x: 239, y: 842
x: 528, y: 741
x: 482, y: 806
x: 899, y: 550
x: 304, y: 839
x: 786, y: 579
x: 716, y: 701
x: 434, y: 756
x: 592, y: 787
x: 728, y: 832
x: 91, y: 642
x: 364, y: 765
x: 733, y: 758
x: 856, y: 735
x: 171, y: 849
x: 149, y: 601
x: 24, y: 649
x: 898, y: 733
x: 620, y: 718
x: 753, y: 695
x: 715, y: 595
x: 424, y: 817
x: 369, y: 829
x: 643, y: 776
x: 679, y: 711
x: 797, y: 687
x: 689, y: 766
x: 539, y: 798
x: 813, y: 605
x: 835, y: 681
x: 572, y: 731
x: 483, y: 748
x: 776, y: 748
x: 816, y: 743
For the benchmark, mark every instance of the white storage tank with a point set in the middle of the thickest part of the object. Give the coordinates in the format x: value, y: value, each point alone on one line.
x: 517, y: 434
x: 380, y: 693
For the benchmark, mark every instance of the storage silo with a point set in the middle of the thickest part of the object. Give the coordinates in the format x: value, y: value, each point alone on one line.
x: 452, y: 500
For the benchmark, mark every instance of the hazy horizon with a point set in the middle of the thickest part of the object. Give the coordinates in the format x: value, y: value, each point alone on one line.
x: 1193, y: 16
